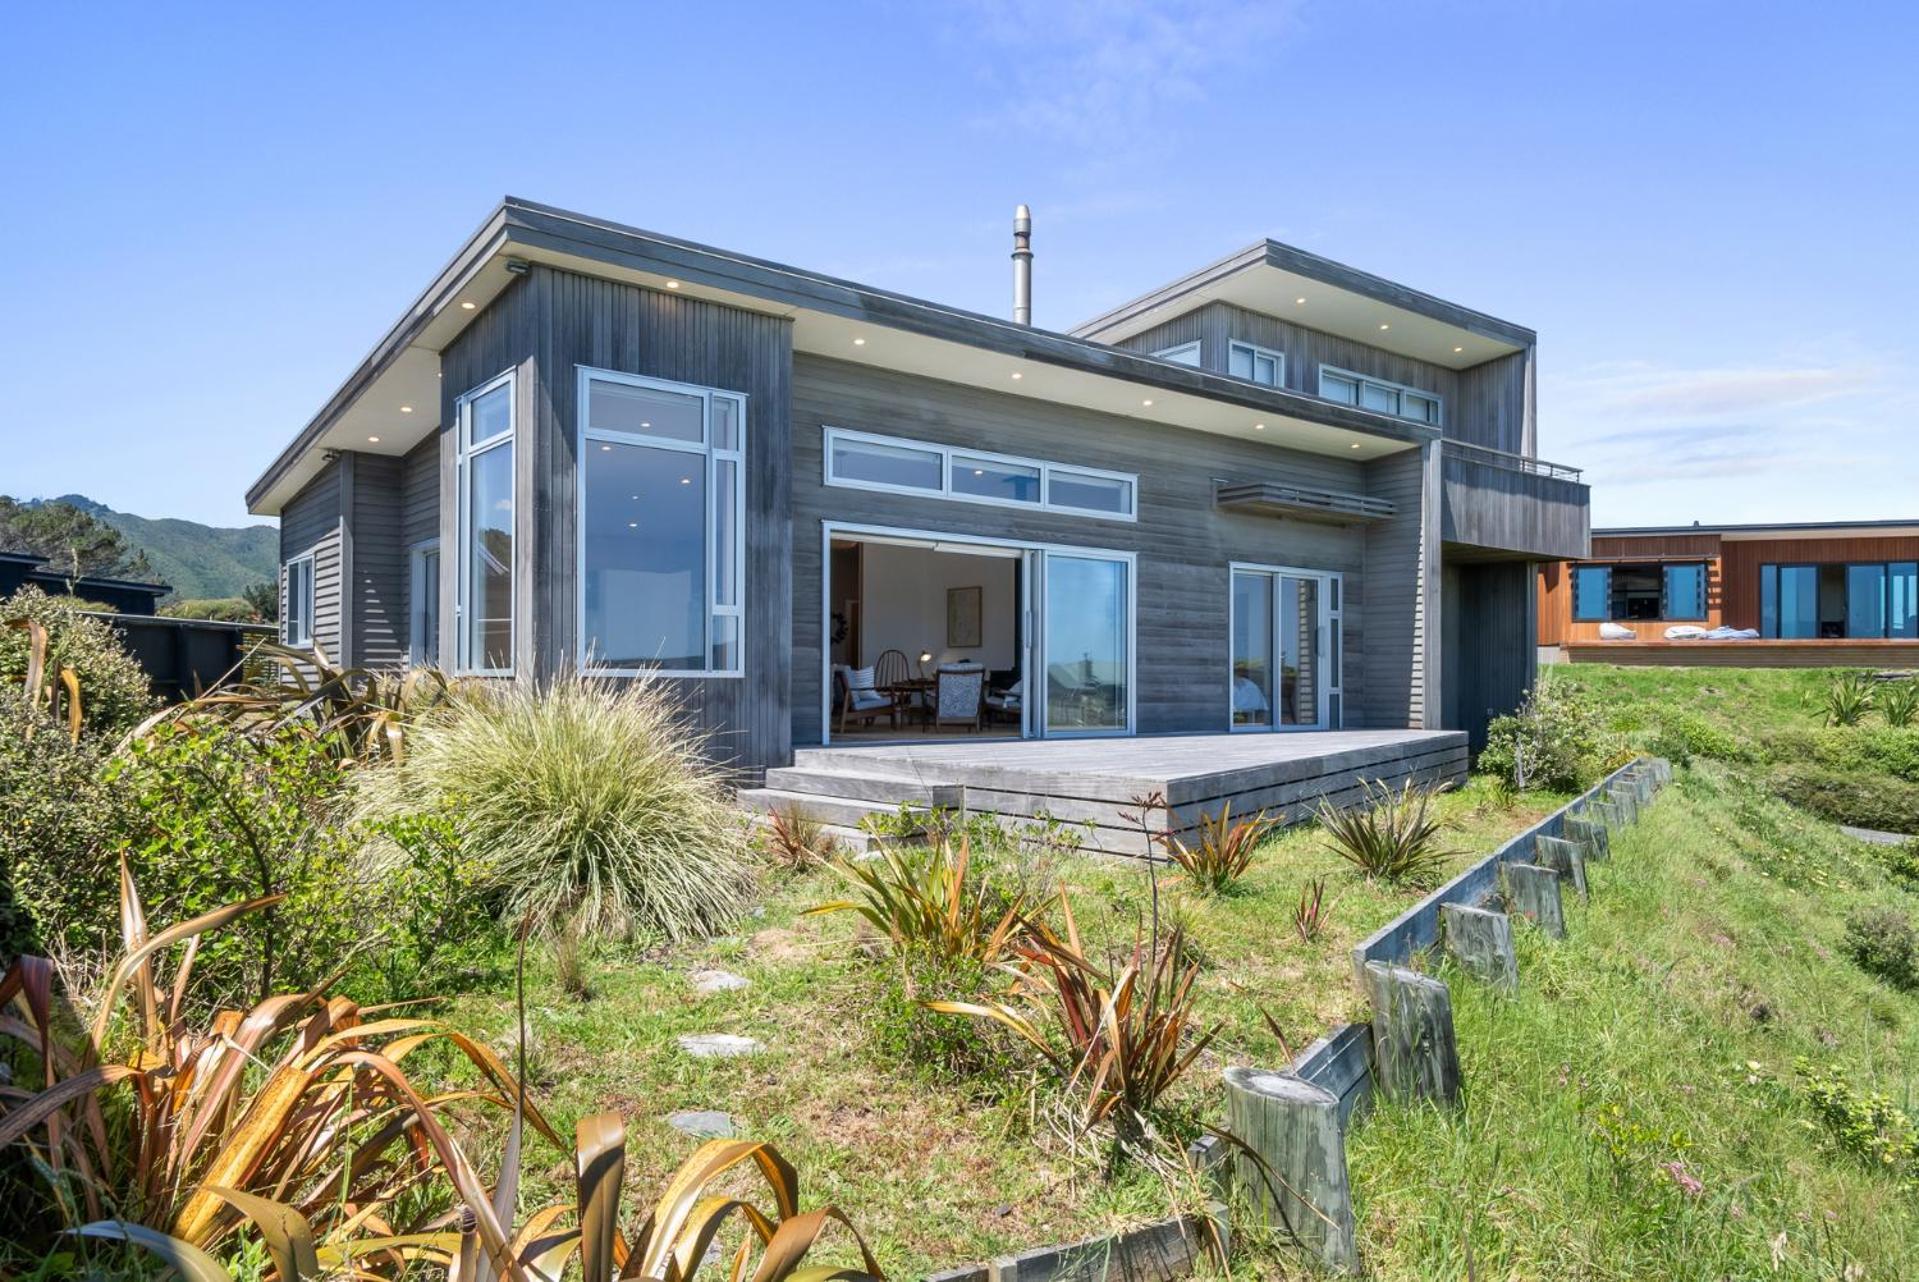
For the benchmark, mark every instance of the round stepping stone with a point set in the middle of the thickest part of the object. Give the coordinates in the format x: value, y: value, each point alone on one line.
x: 718, y: 1045
x: 717, y: 981
x: 703, y: 1124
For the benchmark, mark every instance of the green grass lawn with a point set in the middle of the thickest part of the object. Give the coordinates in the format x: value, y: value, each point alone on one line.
x: 936, y: 1170
x: 1635, y: 1111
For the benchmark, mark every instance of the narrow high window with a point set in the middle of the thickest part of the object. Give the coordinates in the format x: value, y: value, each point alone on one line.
x: 484, y: 598
x: 296, y: 620
x: 1378, y: 395
x: 662, y: 527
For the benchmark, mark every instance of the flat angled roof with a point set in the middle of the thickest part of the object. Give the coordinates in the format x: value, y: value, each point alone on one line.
x: 929, y: 339
x: 1897, y: 528
x: 1296, y: 285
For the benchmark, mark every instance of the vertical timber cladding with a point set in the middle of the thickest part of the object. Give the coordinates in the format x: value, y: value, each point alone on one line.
x: 546, y: 325
x: 1183, y: 542
x: 1489, y: 658
x: 1403, y: 624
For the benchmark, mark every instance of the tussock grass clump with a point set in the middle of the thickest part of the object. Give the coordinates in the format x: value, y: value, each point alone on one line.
x: 1394, y: 838
x: 581, y: 800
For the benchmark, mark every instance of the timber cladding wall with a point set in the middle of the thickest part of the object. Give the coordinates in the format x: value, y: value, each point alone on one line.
x: 1743, y: 557
x: 310, y: 523
x: 545, y: 326
x: 1183, y: 542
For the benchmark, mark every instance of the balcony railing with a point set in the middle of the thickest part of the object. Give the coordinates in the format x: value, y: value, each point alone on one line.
x: 1513, y: 462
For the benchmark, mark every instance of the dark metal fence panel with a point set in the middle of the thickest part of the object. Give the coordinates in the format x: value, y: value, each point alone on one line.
x: 185, y: 656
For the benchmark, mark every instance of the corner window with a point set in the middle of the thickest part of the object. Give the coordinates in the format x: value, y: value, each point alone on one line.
x: 296, y: 617
x: 861, y: 461
x: 1378, y: 395
x: 1257, y: 364
x: 1184, y: 354
x: 484, y: 596
x: 662, y: 526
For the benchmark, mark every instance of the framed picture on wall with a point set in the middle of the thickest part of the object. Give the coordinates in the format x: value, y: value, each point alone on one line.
x: 962, y: 618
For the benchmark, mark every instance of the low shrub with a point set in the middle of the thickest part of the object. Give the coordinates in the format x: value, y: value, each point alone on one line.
x: 931, y: 903
x: 114, y: 692
x: 1883, y: 943
x: 1393, y: 838
x: 1887, y: 750
x: 1902, y: 863
x: 61, y: 827
x: 1863, y: 799
x: 905, y: 1029
x: 224, y: 609
x: 1555, y: 739
x: 1866, y: 1124
x: 576, y: 798
x: 1848, y: 698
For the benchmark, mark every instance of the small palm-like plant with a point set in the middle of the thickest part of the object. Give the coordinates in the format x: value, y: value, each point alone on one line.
x: 1309, y: 914
x: 1224, y: 850
x: 1393, y: 838
x: 927, y: 904
x: 1899, y: 703
x: 1124, y: 1030
x: 797, y: 841
x: 1849, y: 698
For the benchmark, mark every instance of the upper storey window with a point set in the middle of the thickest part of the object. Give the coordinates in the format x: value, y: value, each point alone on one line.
x: 1258, y: 364
x: 1378, y: 395
x: 862, y: 461
x: 1184, y: 354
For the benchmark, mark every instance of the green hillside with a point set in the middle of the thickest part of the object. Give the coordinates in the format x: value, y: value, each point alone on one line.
x: 200, y: 561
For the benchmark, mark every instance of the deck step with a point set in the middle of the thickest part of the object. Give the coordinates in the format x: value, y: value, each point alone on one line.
x: 851, y: 785
x: 841, y: 811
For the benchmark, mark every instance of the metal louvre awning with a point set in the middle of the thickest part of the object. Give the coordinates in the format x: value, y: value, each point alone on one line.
x: 1302, y: 502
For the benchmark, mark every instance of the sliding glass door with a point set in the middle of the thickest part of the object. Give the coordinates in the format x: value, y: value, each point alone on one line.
x: 1285, y: 628
x: 1086, y: 636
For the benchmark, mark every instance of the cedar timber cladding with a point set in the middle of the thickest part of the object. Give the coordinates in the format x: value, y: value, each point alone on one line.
x: 310, y: 523
x: 546, y: 326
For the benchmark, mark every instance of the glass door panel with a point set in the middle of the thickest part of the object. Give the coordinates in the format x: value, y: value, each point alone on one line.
x: 1086, y: 612
x: 1299, y: 651
x: 1798, y: 601
x: 1252, y: 689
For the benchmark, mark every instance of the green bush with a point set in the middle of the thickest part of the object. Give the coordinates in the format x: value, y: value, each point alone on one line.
x: 1555, y: 739
x: 1867, y: 1124
x: 224, y: 609
x: 1870, y: 749
x: 62, y: 827
x: 1883, y: 943
x: 577, y: 797
x: 1902, y: 863
x: 114, y: 692
x: 1863, y: 799
x: 228, y: 816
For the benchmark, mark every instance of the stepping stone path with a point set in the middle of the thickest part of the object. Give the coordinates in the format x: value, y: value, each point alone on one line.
x: 703, y: 1124
x: 717, y: 981
x: 718, y: 1045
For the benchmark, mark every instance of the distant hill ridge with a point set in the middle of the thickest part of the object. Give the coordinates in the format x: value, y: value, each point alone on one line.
x: 199, y: 561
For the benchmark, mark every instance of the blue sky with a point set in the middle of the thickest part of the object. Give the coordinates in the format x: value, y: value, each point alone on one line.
x: 1707, y: 210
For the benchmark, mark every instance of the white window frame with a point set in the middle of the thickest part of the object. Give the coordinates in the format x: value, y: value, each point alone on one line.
x: 465, y: 451
x: 1179, y: 352
x: 1047, y: 470
x: 1278, y: 359
x: 303, y: 562
x: 416, y: 639
x: 586, y: 376
x: 1397, y: 389
x: 1331, y: 639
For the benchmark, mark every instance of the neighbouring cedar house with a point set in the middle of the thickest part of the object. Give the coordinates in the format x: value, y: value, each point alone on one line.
x: 1843, y: 593
x: 1278, y: 494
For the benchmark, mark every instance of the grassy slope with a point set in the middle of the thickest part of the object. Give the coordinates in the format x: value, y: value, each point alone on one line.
x: 932, y: 1171
x: 1665, y: 1029
x: 199, y: 561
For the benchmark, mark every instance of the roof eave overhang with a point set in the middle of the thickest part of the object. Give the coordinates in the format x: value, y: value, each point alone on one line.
x: 534, y: 233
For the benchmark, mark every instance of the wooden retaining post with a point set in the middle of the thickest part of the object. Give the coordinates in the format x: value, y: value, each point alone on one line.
x: 1591, y: 834
x: 1415, y: 1055
x: 1626, y: 801
x: 1606, y: 813
x: 1566, y: 859
x: 1482, y: 942
x: 1533, y: 893
x: 1294, y: 1127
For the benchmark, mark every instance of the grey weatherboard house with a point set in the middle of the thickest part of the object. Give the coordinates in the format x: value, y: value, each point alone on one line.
x: 1276, y: 494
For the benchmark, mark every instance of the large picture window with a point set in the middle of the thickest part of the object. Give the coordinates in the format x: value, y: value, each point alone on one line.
x: 296, y: 621
x: 1867, y: 599
x: 484, y: 596
x: 662, y: 534
x: 1643, y: 593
